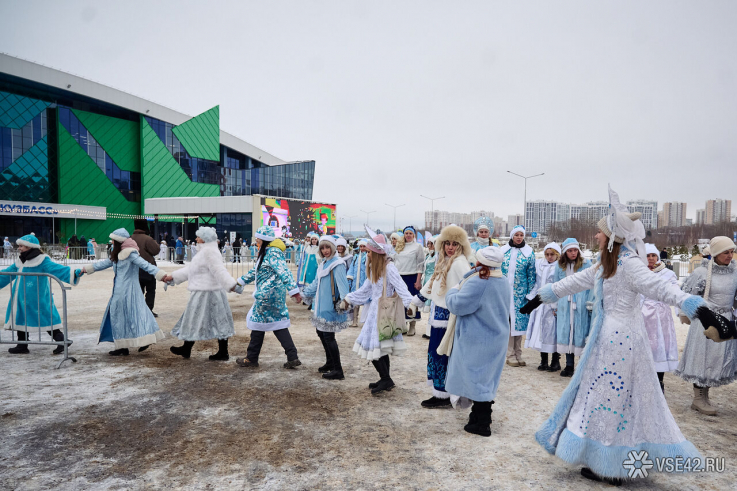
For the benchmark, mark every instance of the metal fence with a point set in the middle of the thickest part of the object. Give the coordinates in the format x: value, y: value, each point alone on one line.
x: 18, y: 281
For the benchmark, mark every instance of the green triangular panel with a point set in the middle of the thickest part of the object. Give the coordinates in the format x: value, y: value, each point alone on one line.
x: 118, y: 137
x: 201, y: 135
x: 161, y: 175
x: 27, y: 178
x: 81, y: 182
x: 16, y: 111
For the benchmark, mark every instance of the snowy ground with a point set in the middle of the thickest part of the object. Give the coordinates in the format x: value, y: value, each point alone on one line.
x: 153, y: 420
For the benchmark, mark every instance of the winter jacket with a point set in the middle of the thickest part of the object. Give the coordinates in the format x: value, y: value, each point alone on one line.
x: 147, y: 247
x: 206, y: 271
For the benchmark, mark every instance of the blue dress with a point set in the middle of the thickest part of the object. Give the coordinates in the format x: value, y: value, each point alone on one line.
x: 481, y: 337
x: 521, y: 274
x: 574, y: 319
x: 324, y: 317
x: 32, y: 300
x: 308, y: 265
x: 128, y: 322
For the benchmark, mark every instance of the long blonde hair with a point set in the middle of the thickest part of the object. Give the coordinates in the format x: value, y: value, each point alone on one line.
x: 443, y: 265
x: 400, y: 242
x: 375, y: 266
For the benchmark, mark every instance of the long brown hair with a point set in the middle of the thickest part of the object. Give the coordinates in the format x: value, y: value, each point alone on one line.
x: 608, y: 260
x: 117, y: 248
x: 563, y: 261
x: 375, y: 266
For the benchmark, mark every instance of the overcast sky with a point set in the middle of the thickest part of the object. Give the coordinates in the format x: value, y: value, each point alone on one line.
x: 397, y: 99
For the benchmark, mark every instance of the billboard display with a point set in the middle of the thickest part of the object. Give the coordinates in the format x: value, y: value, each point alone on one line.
x: 295, y: 219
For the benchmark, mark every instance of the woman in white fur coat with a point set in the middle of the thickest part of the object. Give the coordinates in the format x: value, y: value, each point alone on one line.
x: 454, y: 259
x: 207, y: 314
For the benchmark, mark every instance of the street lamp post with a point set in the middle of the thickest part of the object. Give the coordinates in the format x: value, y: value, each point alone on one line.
x: 524, y: 212
x: 367, y: 215
x: 395, y: 213
x: 432, y: 209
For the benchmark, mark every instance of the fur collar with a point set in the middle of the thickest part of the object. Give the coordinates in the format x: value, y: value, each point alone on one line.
x: 659, y: 267
x: 31, y: 263
x: 327, y: 266
x: 123, y: 255
x: 526, y: 250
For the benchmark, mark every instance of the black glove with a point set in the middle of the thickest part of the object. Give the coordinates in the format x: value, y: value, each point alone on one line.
x: 527, y: 308
x: 716, y: 327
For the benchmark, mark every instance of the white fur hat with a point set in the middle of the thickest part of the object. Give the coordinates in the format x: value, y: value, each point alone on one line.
x: 340, y: 241
x: 208, y: 234
x: 490, y: 256
x: 518, y: 228
x: 720, y: 244
x: 554, y: 246
x: 651, y: 249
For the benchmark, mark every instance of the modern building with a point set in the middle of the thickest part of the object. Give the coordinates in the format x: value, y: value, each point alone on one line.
x: 674, y: 215
x: 649, y: 210
x: 592, y: 211
x: 700, y: 217
x: 718, y: 211
x: 541, y: 214
x: 80, y: 157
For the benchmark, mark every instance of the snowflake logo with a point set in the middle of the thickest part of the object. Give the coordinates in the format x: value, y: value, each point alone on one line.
x: 637, y: 464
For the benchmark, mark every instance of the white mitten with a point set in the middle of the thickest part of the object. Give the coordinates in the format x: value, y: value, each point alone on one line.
x: 412, y: 309
x: 238, y: 289
x: 241, y: 282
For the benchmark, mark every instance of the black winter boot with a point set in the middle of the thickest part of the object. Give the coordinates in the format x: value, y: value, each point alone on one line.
x: 388, y: 367
x: 435, y: 402
x: 386, y: 382
x: 543, y: 362
x: 328, y: 366
x: 479, y: 422
x: 59, y: 336
x: 222, y: 354
x: 119, y: 352
x: 20, y: 349
x: 337, y: 372
x: 568, y: 370
x: 555, y: 364
x: 184, y: 350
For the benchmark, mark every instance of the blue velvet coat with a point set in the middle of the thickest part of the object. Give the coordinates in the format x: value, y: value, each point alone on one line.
x: 324, y: 317
x: 128, y: 322
x: 481, y: 336
x: 573, y: 305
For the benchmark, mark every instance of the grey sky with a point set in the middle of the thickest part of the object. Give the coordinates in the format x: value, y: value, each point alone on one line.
x: 396, y: 99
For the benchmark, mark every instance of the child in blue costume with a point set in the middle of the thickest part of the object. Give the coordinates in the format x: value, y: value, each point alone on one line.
x: 128, y: 322
x: 574, y: 316
x: 329, y: 287
x: 31, y: 300
x: 308, y: 261
x: 357, y: 275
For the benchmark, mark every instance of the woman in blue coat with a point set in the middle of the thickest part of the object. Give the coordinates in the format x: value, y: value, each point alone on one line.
x: 357, y: 275
x: 481, y: 306
x: 128, y: 322
x: 31, y: 300
x: 574, y: 317
x: 308, y: 261
x: 329, y: 287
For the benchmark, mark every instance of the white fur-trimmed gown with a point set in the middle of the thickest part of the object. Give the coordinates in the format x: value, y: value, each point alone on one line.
x: 367, y: 344
x: 207, y: 314
x: 613, y: 404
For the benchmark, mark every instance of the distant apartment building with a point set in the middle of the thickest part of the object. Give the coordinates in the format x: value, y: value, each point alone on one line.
x: 541, y: 214
x: 718, y: 210
x: 700, y: 217
x: 649, y: 210
x: 674, y: 214
x: 592, y: 211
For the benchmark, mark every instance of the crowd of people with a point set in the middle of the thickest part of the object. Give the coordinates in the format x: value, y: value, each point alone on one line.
x: 481, y: 300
